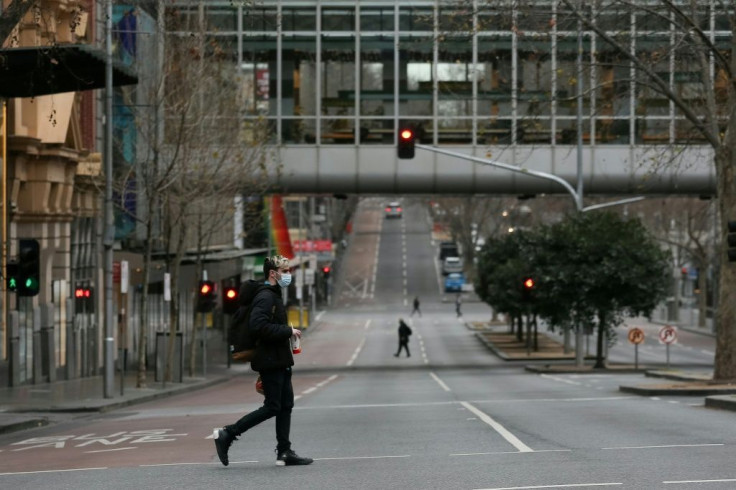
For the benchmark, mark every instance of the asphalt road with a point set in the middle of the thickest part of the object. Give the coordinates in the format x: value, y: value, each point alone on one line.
x: 451, y: 416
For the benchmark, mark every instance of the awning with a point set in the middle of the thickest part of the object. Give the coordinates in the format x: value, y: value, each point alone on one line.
x: 35, y: 71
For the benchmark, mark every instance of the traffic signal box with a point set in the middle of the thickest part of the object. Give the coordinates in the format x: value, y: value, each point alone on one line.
x: 11, y: 276
x: 206, y: 297
x: 326, y: 271
x: 29, y: 268
x: 731, y: 239
x: 406, y: 143
x: 230, y: 300
x: 527, y: 287
x: 83, y: 298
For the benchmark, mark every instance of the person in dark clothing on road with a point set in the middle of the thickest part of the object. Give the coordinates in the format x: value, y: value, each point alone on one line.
x: 404, y: 332
x: 458, y: 305
x: 273, y: 361
x: 416, y: 307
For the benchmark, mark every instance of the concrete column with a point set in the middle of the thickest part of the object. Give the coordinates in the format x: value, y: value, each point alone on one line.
x: 36, y: 348
x: 48, y: 342
x: 14, y: 348
x: 71, y: 357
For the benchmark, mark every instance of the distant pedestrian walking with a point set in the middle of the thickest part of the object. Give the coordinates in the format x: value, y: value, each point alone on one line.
x: 404, y: 333
x: 416, y: 307
x: 458, y: 305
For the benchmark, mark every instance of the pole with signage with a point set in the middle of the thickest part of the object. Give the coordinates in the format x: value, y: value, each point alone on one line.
x: 123, y: 330
x: 636, y: 337
x: 667, y: 336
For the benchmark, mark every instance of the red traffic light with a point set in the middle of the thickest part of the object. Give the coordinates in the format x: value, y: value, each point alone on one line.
x: 205, y: 289
x: 231, y: 293
x: 406, y: 134
x: 79, y: 293
x: 528, y: 283
x: 326, y: 269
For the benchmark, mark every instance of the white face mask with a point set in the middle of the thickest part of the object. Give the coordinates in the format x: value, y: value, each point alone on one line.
x: 284, y: 280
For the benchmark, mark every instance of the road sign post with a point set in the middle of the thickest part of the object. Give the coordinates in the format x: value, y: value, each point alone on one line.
x: 667, y: 336
x: 636, y: 337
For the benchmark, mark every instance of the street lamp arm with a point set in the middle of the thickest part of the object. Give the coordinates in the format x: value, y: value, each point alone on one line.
x: 506, y: 166
x: 613, y: 203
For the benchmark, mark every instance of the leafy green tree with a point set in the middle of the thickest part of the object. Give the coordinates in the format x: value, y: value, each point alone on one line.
x: 591, y: 268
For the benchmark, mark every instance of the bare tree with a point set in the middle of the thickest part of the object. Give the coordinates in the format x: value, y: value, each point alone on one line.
x: 706, y: 105
x: 197, y: 158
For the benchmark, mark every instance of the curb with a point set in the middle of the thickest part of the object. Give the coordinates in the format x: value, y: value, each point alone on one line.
x: 565, y: 369
x: 23, y: 425
x: 502, y: 355
x: 125, y: 403
x: 650, y: 391
x: 724, y: 402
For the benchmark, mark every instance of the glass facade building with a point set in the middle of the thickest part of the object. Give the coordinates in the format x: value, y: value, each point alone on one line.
x: 330, y: 72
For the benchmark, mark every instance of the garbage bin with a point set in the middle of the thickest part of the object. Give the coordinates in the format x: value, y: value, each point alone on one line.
x: 178, y: 362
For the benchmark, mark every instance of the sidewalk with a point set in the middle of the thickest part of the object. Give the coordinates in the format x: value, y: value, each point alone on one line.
x: 27, y: 406
x: 551, y: 351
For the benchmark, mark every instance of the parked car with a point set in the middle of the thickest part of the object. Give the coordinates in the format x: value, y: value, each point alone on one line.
x: 448, y: 249
x: 454, y: 282
x: 393, y: 210
x: 452, y: 264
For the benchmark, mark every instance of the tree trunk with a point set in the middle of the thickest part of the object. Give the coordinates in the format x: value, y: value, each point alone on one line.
x: 599, y: 347
x: 143, y: 337
x: 725, y: 360
x: 702, y: 295
x: 519, y: 328
x: 12, y: 15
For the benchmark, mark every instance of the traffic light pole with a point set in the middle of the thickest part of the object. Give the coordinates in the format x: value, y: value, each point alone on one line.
x: 109, y: 237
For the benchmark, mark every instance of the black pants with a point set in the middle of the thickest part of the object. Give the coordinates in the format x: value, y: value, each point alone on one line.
x: 403, y: 344
x: 278, y: 403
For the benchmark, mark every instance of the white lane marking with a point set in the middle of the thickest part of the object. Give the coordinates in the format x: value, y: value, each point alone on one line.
x: 367, y: 324
x: 110, y: 450
x: 319, y: 315
x: 707, y: 352
x: 561, y: 380
x: 192, y: 464
x: 331, y: 378
x: 317, y: 386
x: 363, y: 457
x: 513, y: 452
x: 698, y: 481
x: 664, y: 446
x: 440, y: 382
x: 512, y: 439
x: 423, y: 404
x: 568, y: 485
x: 356, y: 353
x: 53, y: 471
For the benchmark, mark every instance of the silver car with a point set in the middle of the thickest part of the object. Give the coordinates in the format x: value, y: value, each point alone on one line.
x: 393, y: 210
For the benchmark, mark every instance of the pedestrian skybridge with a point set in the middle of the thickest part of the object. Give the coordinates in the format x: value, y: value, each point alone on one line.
x: 607, y: 169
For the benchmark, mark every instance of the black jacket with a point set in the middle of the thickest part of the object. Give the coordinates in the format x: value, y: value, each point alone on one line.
x: 269, y: 325
x: 404, y: 332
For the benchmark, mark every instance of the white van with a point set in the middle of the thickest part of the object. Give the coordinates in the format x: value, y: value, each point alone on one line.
x: 452, y: 264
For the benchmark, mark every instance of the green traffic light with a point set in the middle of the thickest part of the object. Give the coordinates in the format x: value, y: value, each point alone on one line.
x: 12, y: 284
x: 31, y: 284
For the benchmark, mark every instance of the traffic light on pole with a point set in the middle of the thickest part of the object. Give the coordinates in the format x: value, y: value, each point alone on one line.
x: 406, y: 143
x: 731, y: 239
x: 83, y: 298
x: 29, y: 268
x: 11, y: 276
x: 206, y: 297
x: 230, y: 300
x: 326, y: 271
x: 527, y: 287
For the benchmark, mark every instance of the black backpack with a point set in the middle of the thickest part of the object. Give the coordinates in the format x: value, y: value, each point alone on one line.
x: 242, y: 343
